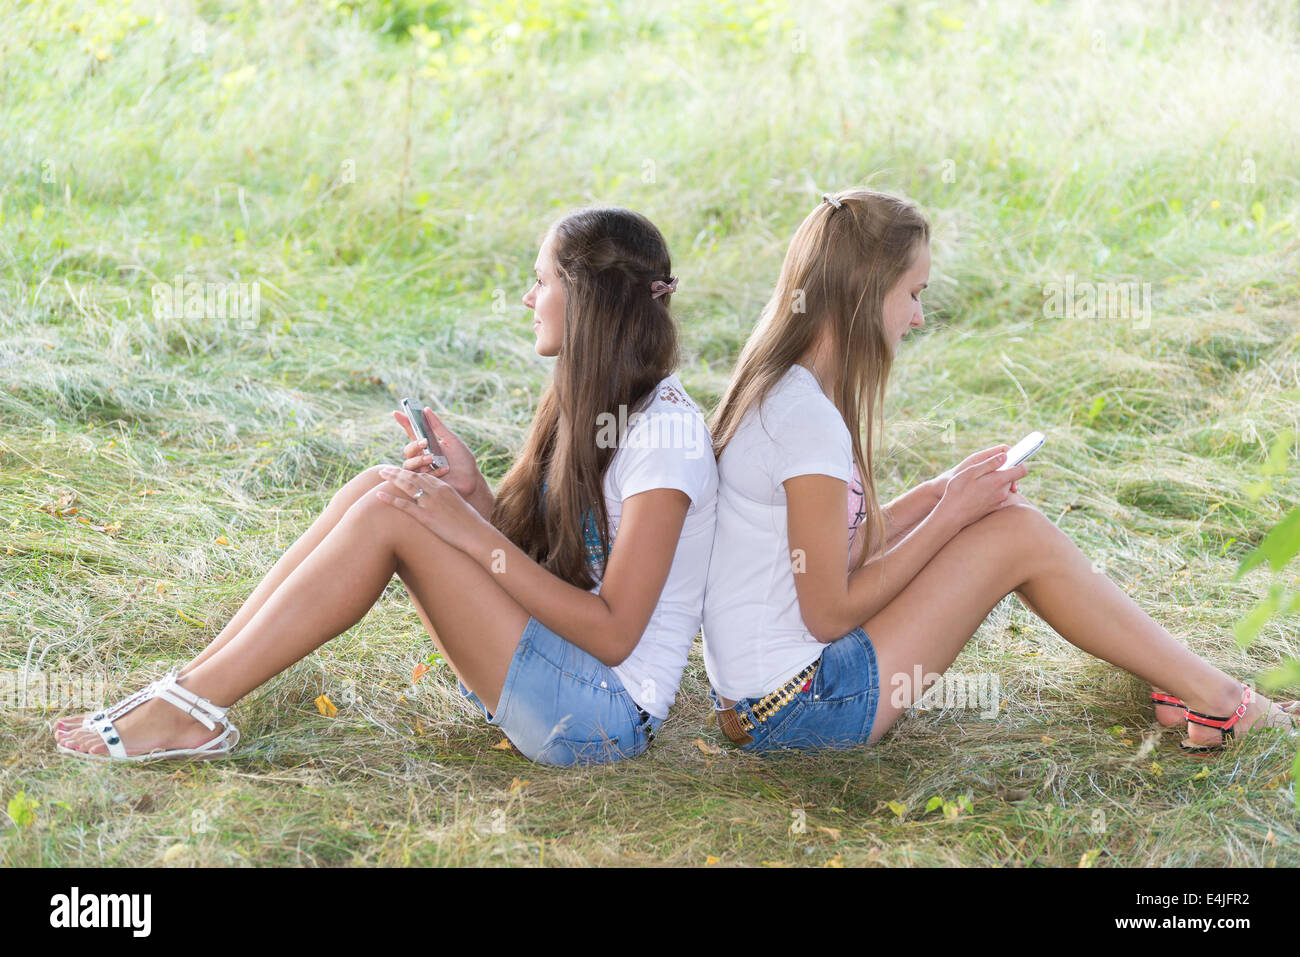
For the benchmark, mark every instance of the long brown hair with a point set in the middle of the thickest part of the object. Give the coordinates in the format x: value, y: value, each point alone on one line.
x: 840, y: 264
x: 618, y: 344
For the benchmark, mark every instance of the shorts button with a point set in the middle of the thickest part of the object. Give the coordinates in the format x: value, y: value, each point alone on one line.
x: 603, y: 685
x: 817, y: 697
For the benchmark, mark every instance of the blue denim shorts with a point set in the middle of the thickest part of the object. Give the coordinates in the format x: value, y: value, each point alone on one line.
x: 563, y: 706
x: 837, y: 709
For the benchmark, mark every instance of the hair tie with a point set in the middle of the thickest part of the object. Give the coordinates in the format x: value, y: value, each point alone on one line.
x: 827, y: 197
x: 659, y: 287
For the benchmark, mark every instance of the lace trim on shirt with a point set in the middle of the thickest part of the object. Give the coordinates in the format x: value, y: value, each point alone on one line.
x: 670, y: 393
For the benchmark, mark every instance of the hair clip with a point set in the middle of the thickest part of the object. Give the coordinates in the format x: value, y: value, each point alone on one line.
x: 827, y: 197
x: 659, y: 287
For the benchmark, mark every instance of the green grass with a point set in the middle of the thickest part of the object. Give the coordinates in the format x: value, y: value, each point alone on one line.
x: 393, y: 193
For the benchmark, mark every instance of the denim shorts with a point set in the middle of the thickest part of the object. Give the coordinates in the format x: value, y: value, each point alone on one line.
x: 563, y: 706
x: 836, y: 711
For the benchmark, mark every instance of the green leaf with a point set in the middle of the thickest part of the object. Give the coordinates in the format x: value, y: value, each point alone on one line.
x: 933, y: 803
x: 1248, y: 627
x: 22, y: 810
x: 1284, y: 675
x: 898, y: 809
x: 1279, y: 546
x: 1278, y: 452
x: 1295, y: 776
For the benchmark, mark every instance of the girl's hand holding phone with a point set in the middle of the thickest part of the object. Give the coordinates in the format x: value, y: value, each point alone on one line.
x: 461, y: 471
x: 979, y: 489
x: 941, y: 480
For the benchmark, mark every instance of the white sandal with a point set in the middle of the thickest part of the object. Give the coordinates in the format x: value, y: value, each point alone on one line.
x: 166, y: 688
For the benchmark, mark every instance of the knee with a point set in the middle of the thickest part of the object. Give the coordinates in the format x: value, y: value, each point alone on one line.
x: 355, y: 490
x: 1018, y: 521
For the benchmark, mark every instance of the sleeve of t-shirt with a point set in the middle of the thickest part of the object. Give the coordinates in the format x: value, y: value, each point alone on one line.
x: 682, y: 458
x: 811, y: 439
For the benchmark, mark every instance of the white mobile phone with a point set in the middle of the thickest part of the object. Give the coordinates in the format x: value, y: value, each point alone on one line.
x: 1026, y: 447
x: 416, y: 418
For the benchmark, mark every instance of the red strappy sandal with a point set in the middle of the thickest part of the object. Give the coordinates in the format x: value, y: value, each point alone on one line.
x: 1223, y: 724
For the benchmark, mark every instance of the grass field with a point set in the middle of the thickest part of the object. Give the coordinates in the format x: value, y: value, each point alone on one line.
x: 386, y: 189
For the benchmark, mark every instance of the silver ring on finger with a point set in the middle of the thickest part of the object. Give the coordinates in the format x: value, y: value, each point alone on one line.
x: 418, y: 493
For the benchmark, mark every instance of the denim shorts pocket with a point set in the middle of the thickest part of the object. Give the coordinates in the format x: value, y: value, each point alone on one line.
x: 778, y: 727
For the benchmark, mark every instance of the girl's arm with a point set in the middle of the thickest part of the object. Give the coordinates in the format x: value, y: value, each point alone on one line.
x: 905, y: 512
x: 831, y: 602
x: 609, y: 624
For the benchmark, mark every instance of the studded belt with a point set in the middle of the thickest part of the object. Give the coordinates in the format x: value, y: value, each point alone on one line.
x: 737, y: 725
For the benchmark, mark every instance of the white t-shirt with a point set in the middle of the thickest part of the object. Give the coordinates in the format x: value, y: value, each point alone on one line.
x: 755, y: 639
x: 668, y: 447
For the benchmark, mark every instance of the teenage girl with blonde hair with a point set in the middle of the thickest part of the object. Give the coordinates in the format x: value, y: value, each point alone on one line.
x: 813, y: 633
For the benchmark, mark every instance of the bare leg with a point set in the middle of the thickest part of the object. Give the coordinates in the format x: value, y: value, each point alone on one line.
x: 1017, y: 548
x: 477, y: 625
x: 343, y: 499
x: 1168, y: 715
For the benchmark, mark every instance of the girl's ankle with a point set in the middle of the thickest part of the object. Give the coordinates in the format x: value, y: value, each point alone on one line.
x: 1220, y: 702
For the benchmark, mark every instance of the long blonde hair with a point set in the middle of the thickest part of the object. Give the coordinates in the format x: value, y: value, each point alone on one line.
x: 841, y: 263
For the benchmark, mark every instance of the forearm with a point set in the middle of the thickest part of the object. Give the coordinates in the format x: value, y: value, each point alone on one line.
x: 908, y: 510
x: 879, y: 581
x: 583, y: 618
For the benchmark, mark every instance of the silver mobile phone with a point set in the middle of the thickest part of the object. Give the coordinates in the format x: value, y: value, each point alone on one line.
x: 416, y: 419
x: 1026, y: 447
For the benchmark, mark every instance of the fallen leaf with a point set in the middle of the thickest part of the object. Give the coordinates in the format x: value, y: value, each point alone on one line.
x: 832, y: 832
x: 1270, y: 837
x: 222, y: 540
x: 1088, y: 857
x: 503, y: 745
x: 420, y: 671
x: 711, y: 860
x: 1046, y: 740
x: 326, y: 707
x: 706, y: 747
x: 518, y: 785
x: 175, y: 851
x: 836, y: 861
